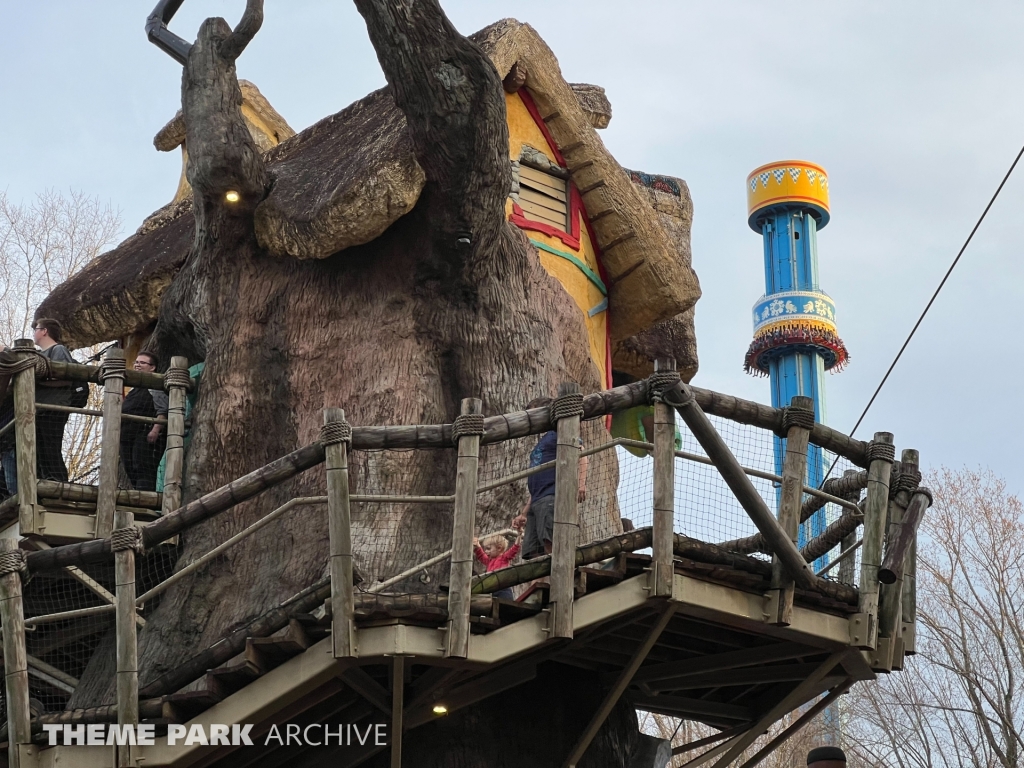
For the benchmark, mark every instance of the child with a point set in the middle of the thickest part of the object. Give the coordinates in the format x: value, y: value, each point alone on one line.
x: 494, y: 552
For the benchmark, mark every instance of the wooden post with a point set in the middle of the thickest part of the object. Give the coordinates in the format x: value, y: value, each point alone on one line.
x: 175, y: 451
x: 112, y: 371
x: 848, y: 566
x: 908, y: 604
x: 126, y: 622
x: 566, y: 526
x: 397, y: 707
x: 12, y: 618
x: 663, y: 574
x: 890, y: 613
x: 25, y: 440
x: 794, y: 474
x: 339, y: 518
x: 119, y: 524
x: 460, y: 586
x: 866, y: 636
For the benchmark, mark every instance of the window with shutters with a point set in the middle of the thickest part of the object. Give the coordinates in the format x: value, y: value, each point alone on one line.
x: 543, y: 197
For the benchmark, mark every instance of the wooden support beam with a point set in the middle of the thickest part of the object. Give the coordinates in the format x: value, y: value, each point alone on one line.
x: 397, y: 708
x: 110, y: 441
x: 662, y: 576
x: 716, y: 449
x: 875, y: 512
x: 483, y: 686
x: 745, y: 676
x: 714, y: 752
x: 613, y: 696
x: 794, y: 474
x: 339, y: 522
x: 847, y: 569
x: 901, y: 536
x: 890, y: 591
x: 460, y: 586
x: 175, y: 451
x: 722, y: 661
x: 12, y: 619
x: 803, y: 720
x: 691, y: 708
x: 799, y: 695
x: 25, y: 440
x: 714, y: 738
x: 360, y: 682
x: 566, y: 528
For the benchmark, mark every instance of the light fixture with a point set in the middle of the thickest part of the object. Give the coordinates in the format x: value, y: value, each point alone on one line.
x: 231, y: 196
x: 440, y: 709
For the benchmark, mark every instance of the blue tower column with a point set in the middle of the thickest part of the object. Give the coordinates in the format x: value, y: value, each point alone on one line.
x: 795, y: 336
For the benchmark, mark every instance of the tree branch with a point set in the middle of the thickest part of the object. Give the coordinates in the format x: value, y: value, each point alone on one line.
x: 454, y: 104
x: 252, y: 20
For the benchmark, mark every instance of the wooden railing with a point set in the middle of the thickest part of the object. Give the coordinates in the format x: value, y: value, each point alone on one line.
x: 883, y: 623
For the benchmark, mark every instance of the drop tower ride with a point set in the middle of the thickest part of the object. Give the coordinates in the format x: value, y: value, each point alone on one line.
x: 795, y: 336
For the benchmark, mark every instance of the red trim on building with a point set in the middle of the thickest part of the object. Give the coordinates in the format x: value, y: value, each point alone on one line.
x: 571, y: 238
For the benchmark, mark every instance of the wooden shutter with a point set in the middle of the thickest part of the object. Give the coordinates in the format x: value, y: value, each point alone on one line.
x: 543, y: 198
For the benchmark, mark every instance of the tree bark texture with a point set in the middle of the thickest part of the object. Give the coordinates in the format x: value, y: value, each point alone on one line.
x: 450, y: 302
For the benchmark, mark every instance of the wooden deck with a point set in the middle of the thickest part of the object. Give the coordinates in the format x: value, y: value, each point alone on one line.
x: 717, y: 661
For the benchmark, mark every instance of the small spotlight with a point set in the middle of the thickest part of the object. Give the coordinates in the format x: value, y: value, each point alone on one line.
x: 440, y: 709
x: 231, y: 196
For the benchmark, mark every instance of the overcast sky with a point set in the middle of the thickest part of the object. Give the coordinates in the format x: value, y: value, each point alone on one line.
x: 914, y: 109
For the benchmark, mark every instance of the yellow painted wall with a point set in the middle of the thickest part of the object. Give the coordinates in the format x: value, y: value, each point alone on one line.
x: 523, y: 130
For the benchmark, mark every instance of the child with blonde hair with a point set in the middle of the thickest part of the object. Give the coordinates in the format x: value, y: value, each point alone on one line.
x: 494, y: 553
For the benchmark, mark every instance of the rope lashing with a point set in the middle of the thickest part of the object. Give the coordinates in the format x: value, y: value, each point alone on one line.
x: 112, y: 366
x: 42, y: 367
x: 13, y: 562
x: 881, y: 452
x: 466, y: 425
x: 566, y: 406
x: 658, y: 383
x: 909, y: 480
x: 927, y: 493
x: 334, y: 432
x: 127, y: 538
x: 176, y: 377
x: 794, y: 416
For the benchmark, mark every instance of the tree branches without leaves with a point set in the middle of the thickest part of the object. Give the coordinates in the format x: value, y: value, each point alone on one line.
x: 959, y: 702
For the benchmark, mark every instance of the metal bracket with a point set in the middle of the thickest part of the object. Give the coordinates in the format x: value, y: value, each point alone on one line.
x: 861, y: 630
x: 161, y: 36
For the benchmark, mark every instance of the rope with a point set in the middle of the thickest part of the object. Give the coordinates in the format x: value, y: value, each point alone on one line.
x: 112, y: 366
x: 13, y: 562
x: 796, y: 417
x: 659, y: 382
x: 881, y: 452
x: 334, y: 432
x: 908, y: 480
x: 566, y: 407
x: 927, y: 493
x: 176, y: 377
x: 127, y: 538
x: 467, y: 425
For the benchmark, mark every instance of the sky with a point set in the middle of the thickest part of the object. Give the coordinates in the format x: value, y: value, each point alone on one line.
x: 909, y: 106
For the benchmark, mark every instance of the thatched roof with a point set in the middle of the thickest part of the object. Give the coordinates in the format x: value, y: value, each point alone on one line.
x: 345, y: 180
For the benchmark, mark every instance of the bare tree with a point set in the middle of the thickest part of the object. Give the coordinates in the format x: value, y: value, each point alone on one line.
x: 961, y: 700
x: 42, y: 244
x: 792, y: 752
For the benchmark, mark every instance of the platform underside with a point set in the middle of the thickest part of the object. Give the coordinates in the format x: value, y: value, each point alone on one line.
x: 717, y: 662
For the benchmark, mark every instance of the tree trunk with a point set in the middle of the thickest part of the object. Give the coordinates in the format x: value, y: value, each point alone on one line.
x: 450, y: 302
